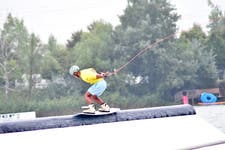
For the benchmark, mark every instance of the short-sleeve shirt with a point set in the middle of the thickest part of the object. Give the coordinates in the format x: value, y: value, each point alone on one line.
x: 89, y: 76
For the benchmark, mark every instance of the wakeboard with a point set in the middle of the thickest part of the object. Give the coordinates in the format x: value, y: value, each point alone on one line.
x: 99, y: 113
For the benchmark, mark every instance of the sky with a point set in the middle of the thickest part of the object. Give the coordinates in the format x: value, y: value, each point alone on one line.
x: 63, y: 17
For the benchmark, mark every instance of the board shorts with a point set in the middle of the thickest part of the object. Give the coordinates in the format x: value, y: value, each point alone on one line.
x: 98, y: 88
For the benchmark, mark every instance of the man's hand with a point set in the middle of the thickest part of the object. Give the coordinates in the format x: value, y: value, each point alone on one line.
x: 105, y: 74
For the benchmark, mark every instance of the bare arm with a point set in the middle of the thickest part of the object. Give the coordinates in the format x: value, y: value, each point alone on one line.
x: 104, y: 74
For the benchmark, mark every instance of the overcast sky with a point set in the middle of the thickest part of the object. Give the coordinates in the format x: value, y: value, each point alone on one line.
x: 62, y: 17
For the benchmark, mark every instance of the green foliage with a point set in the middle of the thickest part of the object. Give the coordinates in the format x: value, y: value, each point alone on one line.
x: 56, y: 59
x: 75, y: 38
x: 187, y: 64
x: 95, y: 47
x: 195, y: 33
x: 216, y: 42
x: 13, y: 39
x: 216, y: 17
x: 198, y: 63
x: 47, y: 107
x: 216, y: 38
x: 50, y: 67
x: 143, y: 23
x: 52, y: 43
x: 115, y: 99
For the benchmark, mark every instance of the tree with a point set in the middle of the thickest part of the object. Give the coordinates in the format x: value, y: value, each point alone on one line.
x: 55, y: 59
x: 13, y: 39
x: 187, y: 64
x: 197, y: 65
x: 52, y: 43
x: 34, y: 58
x: 216, y: 38
x: 75, y: 38
x: 216, y: 17
x: 143, y: 23
x: 95, y: 47
x: 195, y: 33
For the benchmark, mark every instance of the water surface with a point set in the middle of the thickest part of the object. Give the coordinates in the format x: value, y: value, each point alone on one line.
x: 214, y: 114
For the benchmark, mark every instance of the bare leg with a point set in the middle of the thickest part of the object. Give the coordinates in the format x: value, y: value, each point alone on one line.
x: 91, y: 107
x: 88, y: 98
x: 98, y: 100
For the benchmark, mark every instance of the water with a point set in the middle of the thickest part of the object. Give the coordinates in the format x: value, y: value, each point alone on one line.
x: 214, y: 114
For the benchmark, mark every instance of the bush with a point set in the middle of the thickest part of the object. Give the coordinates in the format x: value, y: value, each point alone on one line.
x: 67, y: 105
x: 48, y: 107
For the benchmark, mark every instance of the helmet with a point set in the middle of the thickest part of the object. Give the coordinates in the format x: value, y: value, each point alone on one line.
x: 73, y: 69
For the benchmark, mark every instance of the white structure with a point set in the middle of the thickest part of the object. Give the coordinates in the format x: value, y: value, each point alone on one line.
x: 17, y: 116
x: 170, y: 133
x: 39, y: 83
